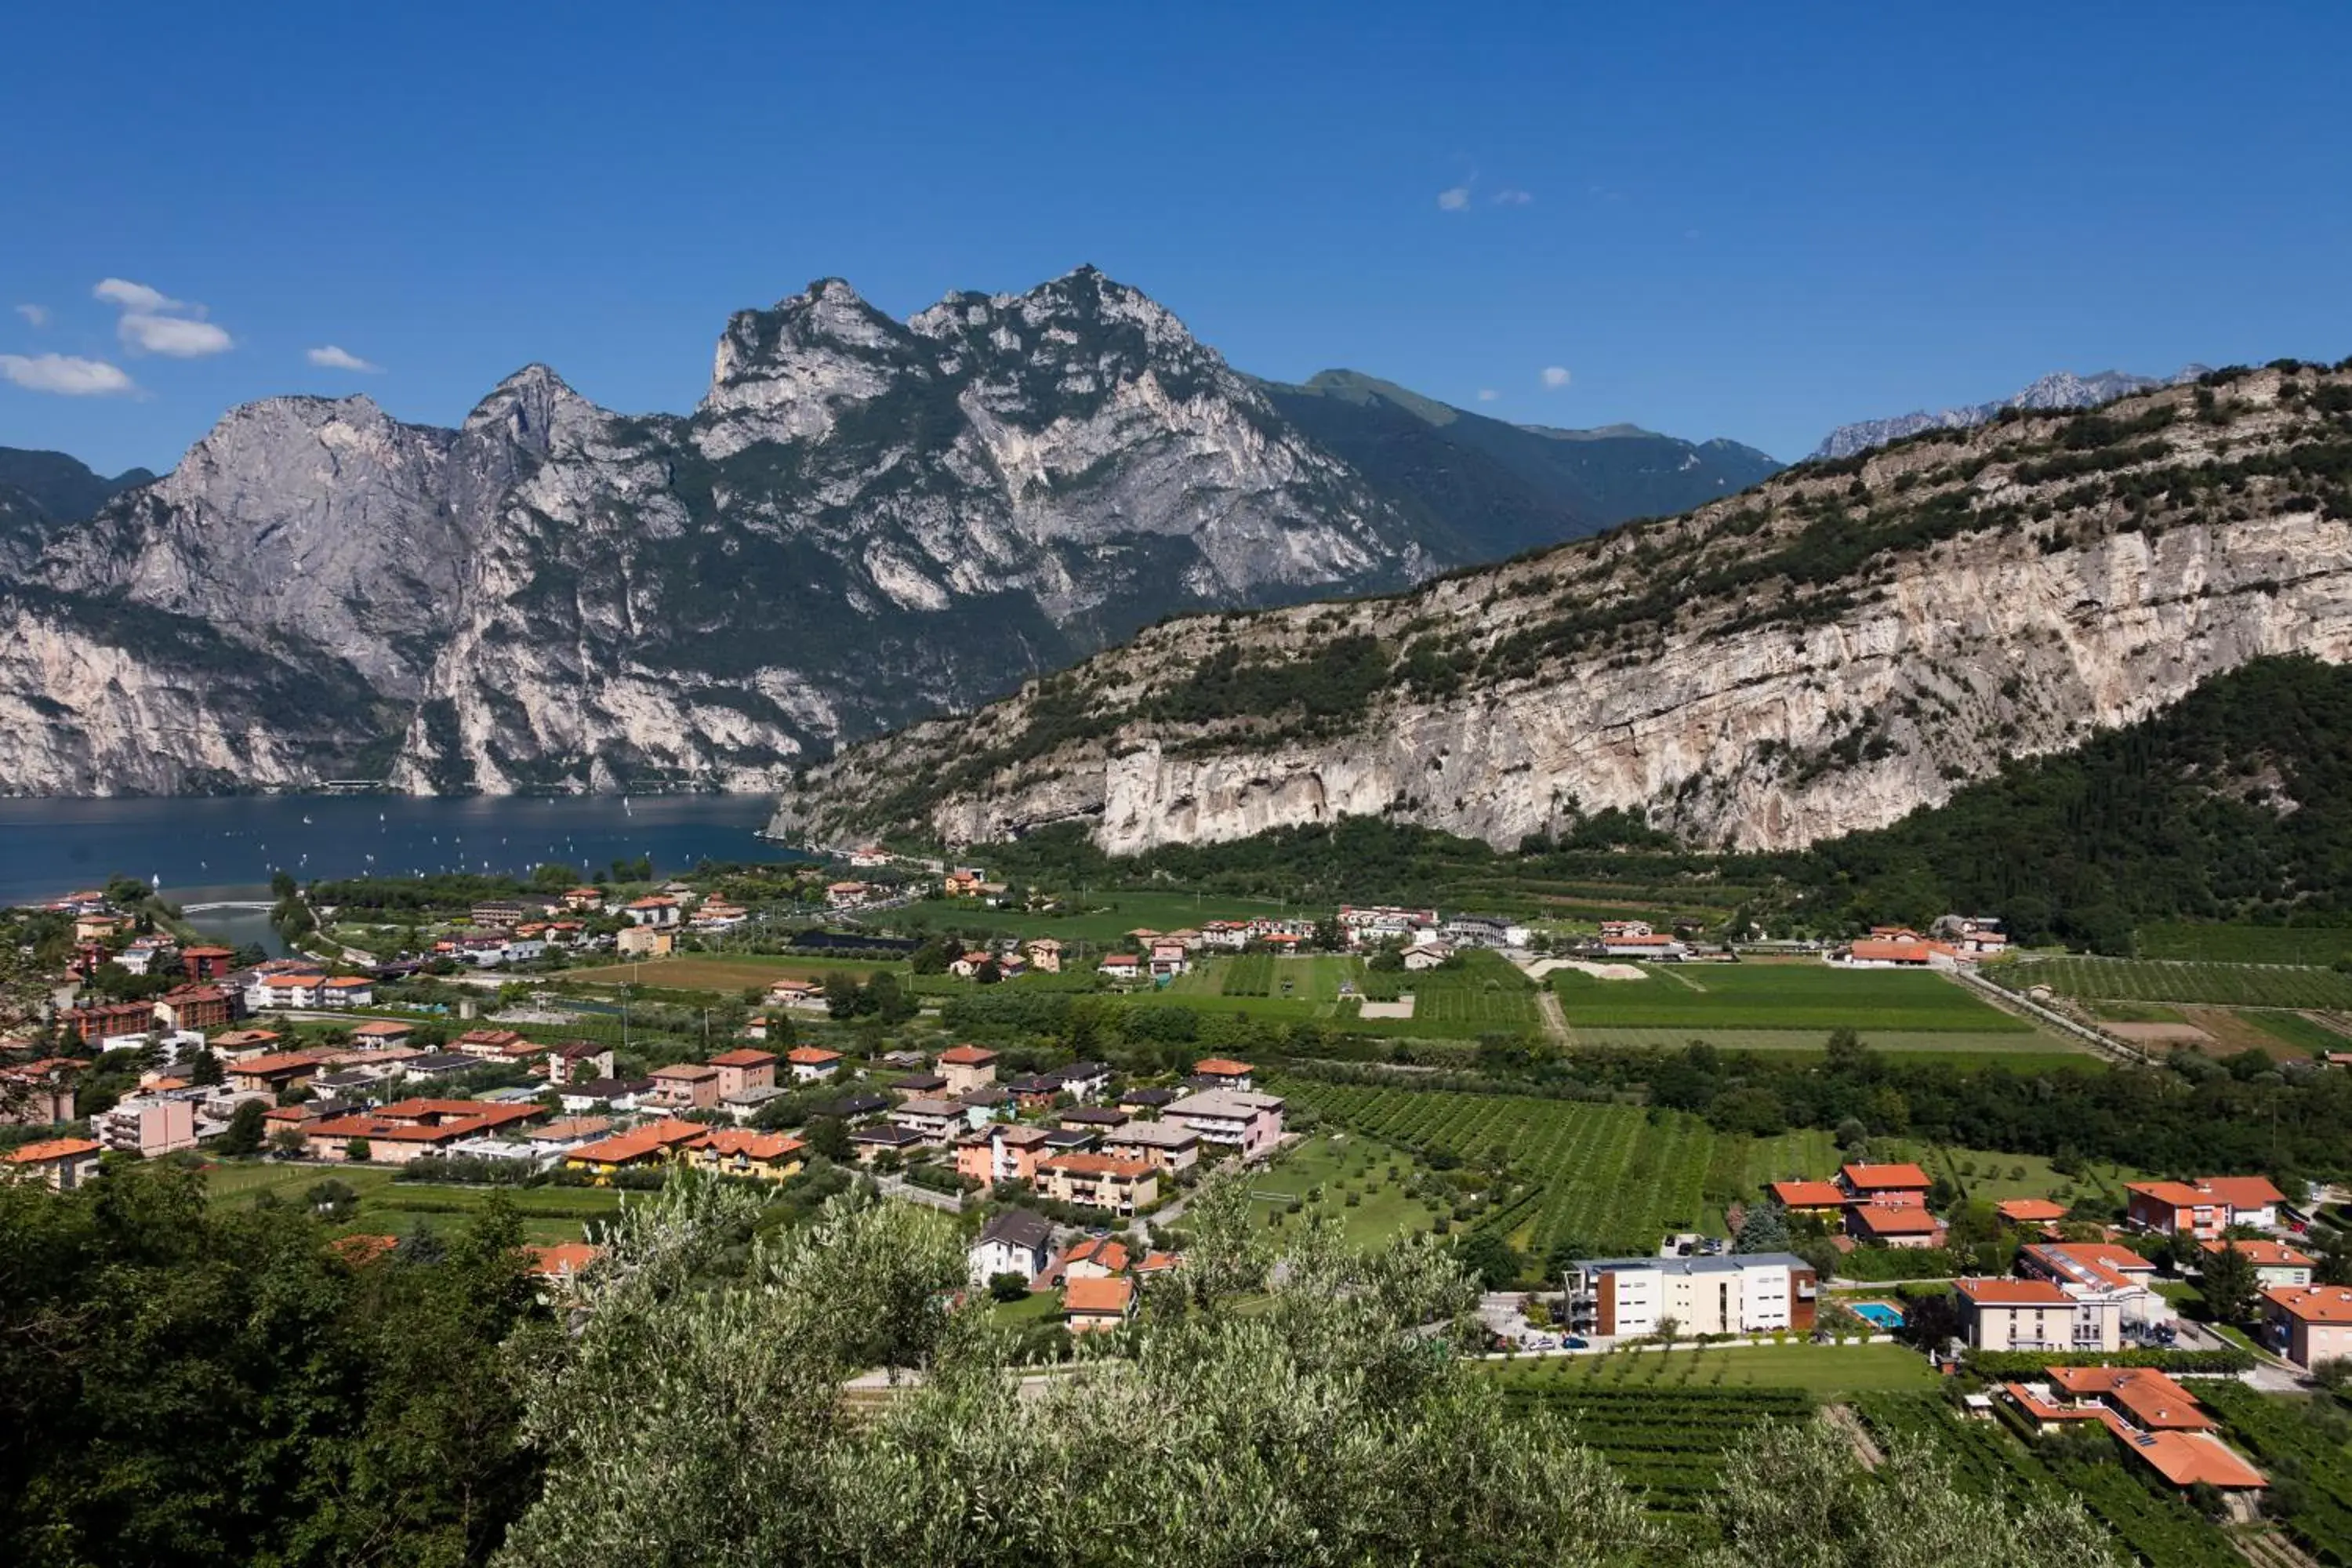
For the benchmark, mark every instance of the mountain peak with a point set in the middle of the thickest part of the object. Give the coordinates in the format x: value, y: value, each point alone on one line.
x: 526, y: 405
x: 2059, y: 389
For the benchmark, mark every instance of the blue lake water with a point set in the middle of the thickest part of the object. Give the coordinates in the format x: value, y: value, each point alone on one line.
x: 207, y: 850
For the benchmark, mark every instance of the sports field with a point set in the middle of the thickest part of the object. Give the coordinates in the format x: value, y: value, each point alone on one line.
x: 2180, y: 980
x: 1775, y: 994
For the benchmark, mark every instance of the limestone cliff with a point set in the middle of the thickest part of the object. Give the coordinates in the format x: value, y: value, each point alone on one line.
x: 1825, y: 653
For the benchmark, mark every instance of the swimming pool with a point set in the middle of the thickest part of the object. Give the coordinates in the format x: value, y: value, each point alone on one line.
x: 1881, y: 1314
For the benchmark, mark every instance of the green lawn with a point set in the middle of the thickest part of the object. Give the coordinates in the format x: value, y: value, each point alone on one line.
x: 1819, y: 1369
x: 394, y: 1208
x: 1342, y: 1164
x: 2307, y: 1035
x: 1774, y: 995
x: 1999, y: 1175
x: 1956, y: 1044
x: 1038, y: 1306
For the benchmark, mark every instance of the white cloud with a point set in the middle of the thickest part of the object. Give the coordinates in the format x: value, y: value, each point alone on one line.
x: 65, y: 375
x: 332, y: 358
x: 39, y: 315
x: 1488, y: 395
x: 134, y: 296
x: 176, y: 336
x: 1555, y: 377
x: 1513, y: 198
x: 1455, y: 199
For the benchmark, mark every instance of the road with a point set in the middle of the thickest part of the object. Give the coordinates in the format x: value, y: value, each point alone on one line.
x: 1555, y: 1021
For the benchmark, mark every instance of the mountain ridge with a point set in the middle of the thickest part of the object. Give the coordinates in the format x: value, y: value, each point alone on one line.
x: 2059, y: 389
x: 1844, y: 643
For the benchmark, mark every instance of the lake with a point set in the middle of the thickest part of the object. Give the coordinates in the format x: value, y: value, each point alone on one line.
x: 223, y: 850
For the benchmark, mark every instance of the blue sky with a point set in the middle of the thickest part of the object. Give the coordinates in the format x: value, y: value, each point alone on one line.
x: 1736, y: 220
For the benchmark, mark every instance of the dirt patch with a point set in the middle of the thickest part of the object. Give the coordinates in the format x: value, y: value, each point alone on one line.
x: 1543, y: 966
x: 1865, y: 1448
x: 2161, y: 1036
x: 1400, y: 1009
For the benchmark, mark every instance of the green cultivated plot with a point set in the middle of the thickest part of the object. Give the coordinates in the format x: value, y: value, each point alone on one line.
x: 1778, y: 995
x: 2168, y: 980
x: 1103, y: 927
x: 1955, y: 1043
x: 1342, y: 1167
x: 387, y: 1208
x: 2317, y: 946
x: 2295, y: 1030
x: 1820, y: 1370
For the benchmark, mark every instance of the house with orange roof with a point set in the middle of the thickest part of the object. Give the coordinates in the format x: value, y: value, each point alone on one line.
x: 1904, y: 1184
x: 1092, y: 1306
x: 570, y: 1131
x: 1002, y: 1151
x: 1120, y: 966
x: 61, y: 1164
x: 2275, y: 1263
x: 1098, y: 1180
x: 1822, y: 1198
x: 640, y: 1148
x: 653, y: 910
x: 1090, y: 1258
x: 491, y: 1044
x: 2033, y: 1315
x: 2309, y: 1324
x: 275, y: 1074
x: 2030, y: 1213
x: 968, y: 1068
x: 1896, y: 952
x: 379, y: 1033
x: 2099, y: 1270
x: 740, y: 1152
x: 36, y: 1093
x: 1045, y: 954
x: 238, y: 1045
x: 564, y: 1262
x: 195, y: 1008
x: 2203, y: 1208
x: 2159, y: 1423
x: 744, y: 1069
x: 290, y: 989
x: 687, y: 1086
x: 1901, y: 1226
x: 410, y: 1129
x: 810, y: 1063
x: 1156, y: 1266
x: 347, y: 991
x: 1225, y: 1072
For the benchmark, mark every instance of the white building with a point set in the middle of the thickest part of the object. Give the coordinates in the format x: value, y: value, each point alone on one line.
x: 2036, y: 1315
x: 1755, y: 1292
x: 1015, y: 1242
x: 1231, y: 1120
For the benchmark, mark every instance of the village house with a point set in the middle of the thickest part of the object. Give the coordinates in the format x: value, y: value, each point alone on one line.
x: 644, y: 941
x: 810, y: 1063
x: 566, y: 1133
x: 1098, y: 1180
x: 1644, y: 944
x: 148, y: 955
x: 806, y: 994
x: 409, y: 1129
x: 148, y: 1125
x: 2157, y: 1420
x: 640, y: 1148
x: 1822, y: 1199
x: 1370, y: 926
x: 1168, y: 960
x: 1485, y: 930
x: 920, y: 1086
x: 63, y: 1163
x: 1003, y: 1152
x: 1426, y: 956
x: 1974, y: 936
x: 1231, y: 1120
x: 1893, y: 952
x: 581, y: 900
x: 963, y: 883
x: 1033, y: 1092
x: 2101, y: 1272
x: 275, y: 1074
x: 740, y: 1151
x: 1045, y: 954
x: 1163, y: 1145
x: 2275, y: 1263
x: 968, y: 965
x: 847, y: 895
x: 967, y: 1068
x: 578, y: 1061
x: 1085, y: 1083
x: 241, y: 1045
x: 1120, y: 966
x: 604, y: 1096
x: 201, y: 964
x: 195, y: 1008
x: 2034, y: 1315
x: 1089, y: 1258
x: 488, y: 1045
x: 347, y: 991
x: 936, y: 1120
x: 1894, y: 1185
x: 439, y: 1064
x: 1227, y: 936
x: 658, y: 909
x: 2203, y: 1208
x: 93, y: 1023
x: 687, y: 1086
x: 1755, y: 1292
x: 382, y: 1034
x: 2030, y: 1214
x: 744, y: 1069
x: 872, y: 1143
x: 1146, y: 1101
x: 1894, y: 1225
x: 1096, y: 1119
x: 292, y: 989
x: 1014, y: 1241
x: 1093, y: 1306
x: 2309, y: 1324
x: 715, y: 915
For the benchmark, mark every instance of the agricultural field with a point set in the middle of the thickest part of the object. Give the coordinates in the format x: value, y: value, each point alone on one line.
x: 387, y: 1208
x: 1340, y: 1166
x: 1989, y: 1460
x: 1486, y: 995
x: 726, y: 971
x: 2317, y: 946
x: 2170, y: 980
x: 2306, y: 1439
x: 1784, y: 995
x: 2029, y: 1048
x: 1101, y: 929
x: 1990, y: 1175
x: 2298, y: 1032
x: 1606, y: 1176
x: 1820, y: 1370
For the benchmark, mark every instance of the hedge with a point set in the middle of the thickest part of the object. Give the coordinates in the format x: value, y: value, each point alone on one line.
x: 2020, y: 1363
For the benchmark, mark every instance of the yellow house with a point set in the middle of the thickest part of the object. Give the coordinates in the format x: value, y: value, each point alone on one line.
x: 740, y: 1152
x: 637, y: 1149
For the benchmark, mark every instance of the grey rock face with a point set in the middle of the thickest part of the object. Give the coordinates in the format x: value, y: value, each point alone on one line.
x: 2062, y: 389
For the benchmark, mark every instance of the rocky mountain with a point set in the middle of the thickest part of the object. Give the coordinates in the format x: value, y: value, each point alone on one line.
x: 2062, y: 389
x: 1489, y: 488
x: 43, y: 492
x: 1851, y: 641
x: 866, y: 520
